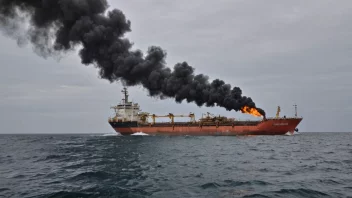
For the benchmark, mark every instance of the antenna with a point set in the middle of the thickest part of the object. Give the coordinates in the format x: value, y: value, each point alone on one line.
x: 295, y: 110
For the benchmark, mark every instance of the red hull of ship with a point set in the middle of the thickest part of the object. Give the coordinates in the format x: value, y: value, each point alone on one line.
x: 267, y: 127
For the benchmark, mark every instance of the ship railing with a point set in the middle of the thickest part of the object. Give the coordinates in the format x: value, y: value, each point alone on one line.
x: 112, y: 119
x: 281, y: 118
x: 239, y: 120
x: 176, y: 123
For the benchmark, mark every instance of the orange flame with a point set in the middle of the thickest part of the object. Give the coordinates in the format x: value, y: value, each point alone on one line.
x: 249, y: 110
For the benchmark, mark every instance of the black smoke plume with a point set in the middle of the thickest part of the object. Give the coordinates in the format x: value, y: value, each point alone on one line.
x: 57, y: 26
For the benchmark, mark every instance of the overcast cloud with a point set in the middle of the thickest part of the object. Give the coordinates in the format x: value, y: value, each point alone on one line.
x: 277, y: 52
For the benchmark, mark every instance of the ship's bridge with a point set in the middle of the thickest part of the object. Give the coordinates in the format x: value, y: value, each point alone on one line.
x: 126, y: 110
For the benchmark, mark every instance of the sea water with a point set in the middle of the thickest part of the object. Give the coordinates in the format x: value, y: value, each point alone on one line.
x: 303, y: 165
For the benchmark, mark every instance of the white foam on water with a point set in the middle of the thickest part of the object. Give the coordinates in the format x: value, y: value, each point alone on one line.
x: 296, y: 133
x: 139, y: 133
x: 112, y: 134
x: 289, y: 134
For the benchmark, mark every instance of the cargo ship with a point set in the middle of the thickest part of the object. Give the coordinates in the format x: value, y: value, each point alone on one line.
x: 129, y: 119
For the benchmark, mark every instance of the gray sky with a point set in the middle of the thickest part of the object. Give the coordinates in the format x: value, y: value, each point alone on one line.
x: 277, y: 52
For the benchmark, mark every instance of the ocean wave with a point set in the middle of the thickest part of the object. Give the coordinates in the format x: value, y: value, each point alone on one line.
x: 255, y: 196
x: 54, y: 158
x: 231, y: 183
x: 67, y: 194
x: 241, y: 183
x: 15, y: 175
x: 112, y: 134
x: 210, y: 185
x: 302, y: 192
x: 4, y: 189
x: 110, y: 191
x: 98, y: 175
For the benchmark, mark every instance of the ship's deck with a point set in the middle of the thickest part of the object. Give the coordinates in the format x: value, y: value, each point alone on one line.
x: 232, y: 123
x: 168, y: 124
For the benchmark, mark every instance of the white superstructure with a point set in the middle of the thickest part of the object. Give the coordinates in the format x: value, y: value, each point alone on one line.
x: 126, y: 110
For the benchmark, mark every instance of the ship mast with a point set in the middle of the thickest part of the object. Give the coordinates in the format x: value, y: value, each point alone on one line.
x: 124, y: 91
x: 295, y: 110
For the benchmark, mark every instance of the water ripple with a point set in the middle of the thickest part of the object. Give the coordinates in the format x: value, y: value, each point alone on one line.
x: 307, y: 165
